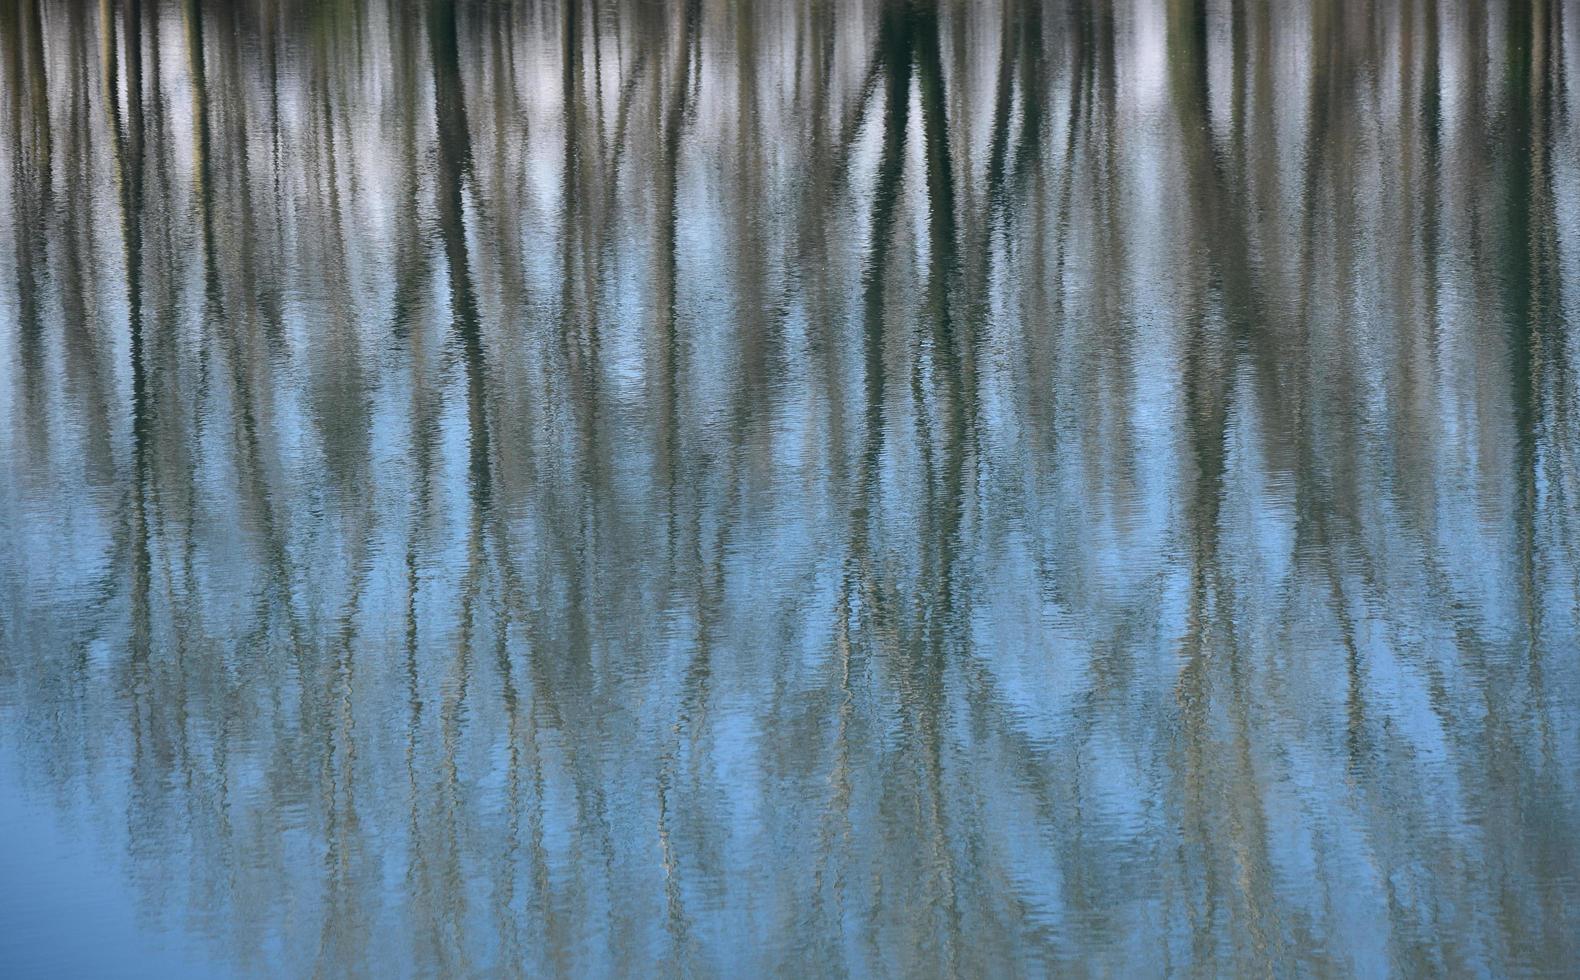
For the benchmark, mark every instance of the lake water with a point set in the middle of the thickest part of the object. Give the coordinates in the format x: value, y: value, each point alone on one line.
x: 824, y: 488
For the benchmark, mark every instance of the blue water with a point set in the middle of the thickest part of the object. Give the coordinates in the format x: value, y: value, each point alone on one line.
x: 859, y: 488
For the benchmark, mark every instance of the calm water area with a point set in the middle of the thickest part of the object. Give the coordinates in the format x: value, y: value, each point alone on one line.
x: 893, y: 488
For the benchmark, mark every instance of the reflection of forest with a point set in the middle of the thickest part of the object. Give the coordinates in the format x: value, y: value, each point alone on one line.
x: 871, y: 487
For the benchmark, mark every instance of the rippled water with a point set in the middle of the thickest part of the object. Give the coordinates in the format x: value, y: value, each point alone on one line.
x: 826, y: 488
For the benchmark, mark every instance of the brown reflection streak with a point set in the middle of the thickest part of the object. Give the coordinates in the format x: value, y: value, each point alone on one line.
x: 883, y: 486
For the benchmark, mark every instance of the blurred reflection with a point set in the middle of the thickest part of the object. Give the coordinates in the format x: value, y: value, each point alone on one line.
x: 868, y: 487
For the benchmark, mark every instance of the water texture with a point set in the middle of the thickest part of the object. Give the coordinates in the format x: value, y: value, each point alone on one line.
x: 882, y: 488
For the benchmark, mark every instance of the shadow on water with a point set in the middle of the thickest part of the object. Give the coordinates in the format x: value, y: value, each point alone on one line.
x: 857, y: 488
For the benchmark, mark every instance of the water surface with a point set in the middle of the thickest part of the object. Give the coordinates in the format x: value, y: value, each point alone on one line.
x: 871, y: 488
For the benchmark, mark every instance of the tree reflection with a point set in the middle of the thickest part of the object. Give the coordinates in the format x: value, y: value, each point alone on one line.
x: 883, y: 486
